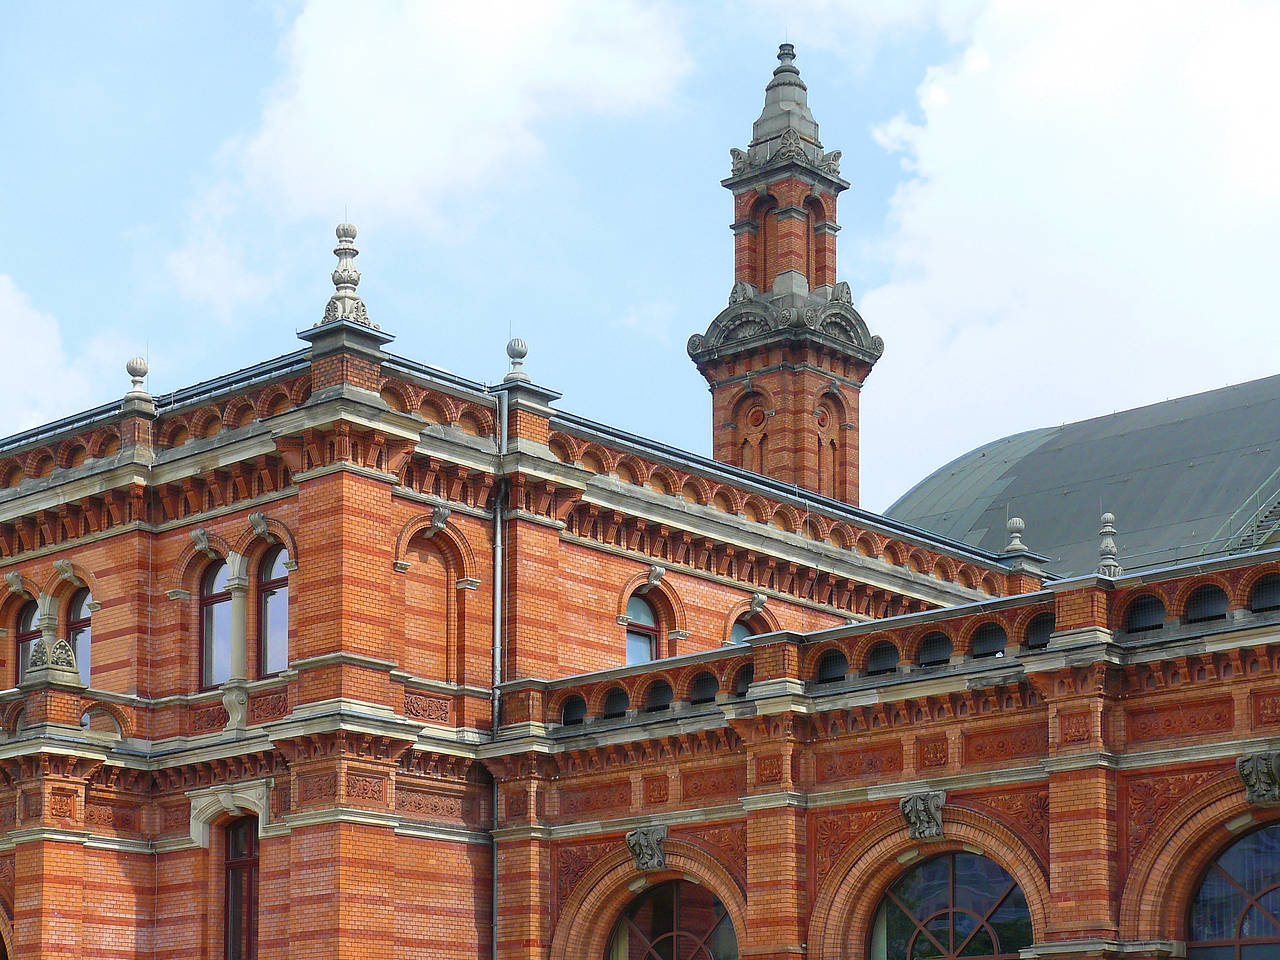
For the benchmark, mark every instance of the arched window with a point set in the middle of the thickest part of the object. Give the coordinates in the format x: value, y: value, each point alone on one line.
x: 28, y: 633
x: 956, y: 905
x: 616, y: 704
x: 80, y: 633
x: 242, y: 889
x: 1265, y: 594
x: 747, y: 626
x: 989, y: 641
x: 832, y: 668
x: 273, y: 612
x: 1039, y: 630
x: 659, y: 697
x: 882, y: 659
x: 1235, y: 913
x: 674, y: 919
x: 704, y: 688
x: 642, y: 631
x: 215, y: 626
x: 1144, y: 614
x: 574, y: 711
x: 743, y: 680
x: 935, y: 650
x: 1206, y: 603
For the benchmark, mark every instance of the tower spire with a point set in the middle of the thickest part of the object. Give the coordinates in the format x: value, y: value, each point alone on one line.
x: 346, y: 304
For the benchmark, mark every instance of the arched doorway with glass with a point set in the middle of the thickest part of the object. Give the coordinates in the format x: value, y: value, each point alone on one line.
x: 676, y: 920
x: 958, y: 905
x: 1235, y: 912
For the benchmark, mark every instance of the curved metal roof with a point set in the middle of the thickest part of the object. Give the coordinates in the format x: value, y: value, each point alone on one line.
x: 1198, y: 475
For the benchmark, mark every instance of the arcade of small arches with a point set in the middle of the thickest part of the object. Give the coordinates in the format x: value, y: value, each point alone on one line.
x: 950, y: 902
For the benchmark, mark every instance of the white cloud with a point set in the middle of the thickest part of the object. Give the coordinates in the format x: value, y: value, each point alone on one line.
x: 210, y: 270
x: 39, y: 384
x: 1089, y: 221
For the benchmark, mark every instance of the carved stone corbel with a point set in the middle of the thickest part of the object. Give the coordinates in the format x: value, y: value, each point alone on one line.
x: 645, y: 844
x: 14, y: 579
x: 258, y: 520
x: 656, y: 573
x: 200, y: 537
x: 923, y: 813
x: 1260, y: 773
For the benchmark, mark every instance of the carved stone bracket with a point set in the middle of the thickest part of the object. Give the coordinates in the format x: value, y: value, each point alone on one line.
x: 14, y: 579
x: 200, y: 537
x: 1260, y: 773
x: 923, y: 813
x: 645, y: 844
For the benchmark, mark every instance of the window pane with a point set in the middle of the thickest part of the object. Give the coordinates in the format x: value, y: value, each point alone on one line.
x: 27, y: 618
x: 215, y: 579
x: 275, y: 630
x: 639, y: 647
x: 640, y: 611
x: 273, y: 567
x: 80, y: 642
x: 740, y: 632
x: 79, y: 609
x: 217, y: 643
x: 24, y: 654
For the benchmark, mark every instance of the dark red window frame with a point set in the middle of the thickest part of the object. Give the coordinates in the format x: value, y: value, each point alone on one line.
x: 80, y: 601
x: 268, y: 588
x: 240, y: 901
x: 24, y: 638
x: 209, y: 599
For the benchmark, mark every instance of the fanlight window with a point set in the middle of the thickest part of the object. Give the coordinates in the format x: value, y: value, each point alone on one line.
x: 642, y: 631
x: 1235, y: 914
x: 1206, y: 603
x: 28, y: 633
x: 956, y: 905
x: 882, y: 659
x: 674, y: 919
x: 935, y: 650
x: 80, y: 633
x: 1144, y: 614
x: 989, y: 640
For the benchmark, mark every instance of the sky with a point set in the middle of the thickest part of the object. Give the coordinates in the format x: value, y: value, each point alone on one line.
x: 1056, y: 211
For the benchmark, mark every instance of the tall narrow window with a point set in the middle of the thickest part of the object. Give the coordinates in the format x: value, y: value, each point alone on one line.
x: 642, y: 631
x: 242, y: 889
x: 80, y: 634
x: 28, y: 633
x: 273, y: 613
x: 215, y: 626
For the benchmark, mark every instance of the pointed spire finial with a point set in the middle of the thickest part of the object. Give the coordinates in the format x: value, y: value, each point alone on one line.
x: 346, y: 304
x: 1107, y: 565
x: 786, y: 54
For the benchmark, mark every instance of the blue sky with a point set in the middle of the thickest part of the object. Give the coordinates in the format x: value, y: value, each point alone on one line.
x: 1054, y: 213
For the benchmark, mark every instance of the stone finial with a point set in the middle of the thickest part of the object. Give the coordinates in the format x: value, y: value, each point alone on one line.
x: 517, y: 350
x: 1015, y: 526
x: 137, y: 368
x: 645, y: 844
x: 923, y: 813
x: 345, y: 304
x: 1260, y: 773
x: 1107, y: 565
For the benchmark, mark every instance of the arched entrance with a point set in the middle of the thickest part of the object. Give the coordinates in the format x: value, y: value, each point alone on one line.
x: 676, y: 919
x: 952, y: 906
x: 1235, y: 913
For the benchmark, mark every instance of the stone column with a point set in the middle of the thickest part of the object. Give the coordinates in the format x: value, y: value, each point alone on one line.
x: 235, y: 694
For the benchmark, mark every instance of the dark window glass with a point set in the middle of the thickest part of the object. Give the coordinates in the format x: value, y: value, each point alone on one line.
x: 242, y: 889
x: 882, y: 659
x: 574, y: 712
x: 659, y: 697
x: 935, y: 650
x: 742, y: 682
x: 1144, y: 614
x: 704, y: 688
x: 28, y: 632
x: 677, y: 919
x: 1265, y: 594
x: 616, y: 704
x: 1206, y: 603
x: 956, y: 905
x: 1235, y: 913
x: 80, y: 633
x: 642, y: 631
x: 273, y: 619
x: 740, y: 631
x: 215, y: 627
x: 833, y: 667
x: 1039, y: 630
x: 989, y: 640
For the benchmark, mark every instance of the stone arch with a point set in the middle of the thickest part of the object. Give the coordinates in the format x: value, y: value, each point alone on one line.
x: 191, y: 563
x: 850, y: 895
x: 212, y: 806
x: 123, y: 719
x: 667, y: 600
x: 1239, y: 597
x: 588, y: 914
x: 255, y: 541
x: 963, y: 640
x: 1165, y: 873
x: 61, y: 584
x: 449, y: 532
x: 1177, y: 605
x: 861, y: 651
x: 743, y: 607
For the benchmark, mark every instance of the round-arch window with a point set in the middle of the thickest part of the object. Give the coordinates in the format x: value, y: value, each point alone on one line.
x: 1265, y: 594
x: 79, y: 632
x: 833, y: 667
x: 704, y: 688
x: 1235, y: 914
x: 743, y: 681
x: 659, y: 697
x: 642, y: 631
x: 28, y: 633
x: 616, y: 704
x: 742, y: 629
x: 935, y: 650
x: 674, y: 919
x: 956, y: 905
x: 273, y: 615
x: 574, y: 712
x: 989, y: 640
x: 1206, y: 603
x: 215, y: 625
x: 882, y: 659
x: 1145, y: 613
x: 1039, y: 630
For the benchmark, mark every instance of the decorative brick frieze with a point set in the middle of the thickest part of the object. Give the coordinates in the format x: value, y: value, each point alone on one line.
x: 1180, y: 719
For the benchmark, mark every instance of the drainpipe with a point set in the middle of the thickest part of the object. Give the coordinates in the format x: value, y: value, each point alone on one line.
x: 499, y: 494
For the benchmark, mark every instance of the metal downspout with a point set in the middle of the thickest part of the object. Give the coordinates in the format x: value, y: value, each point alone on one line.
x: 499, y: 494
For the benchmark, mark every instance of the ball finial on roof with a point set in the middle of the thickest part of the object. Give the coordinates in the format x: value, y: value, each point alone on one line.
x: 1015, y: 526
x: 137, y: 369
x: 517, y: 350
x: 345, y: 231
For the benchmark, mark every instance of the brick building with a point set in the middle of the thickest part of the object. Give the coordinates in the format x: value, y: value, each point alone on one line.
x: 341, y: 655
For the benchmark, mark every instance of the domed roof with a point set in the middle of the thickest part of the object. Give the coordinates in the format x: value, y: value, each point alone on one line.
x: 1194, y: 476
